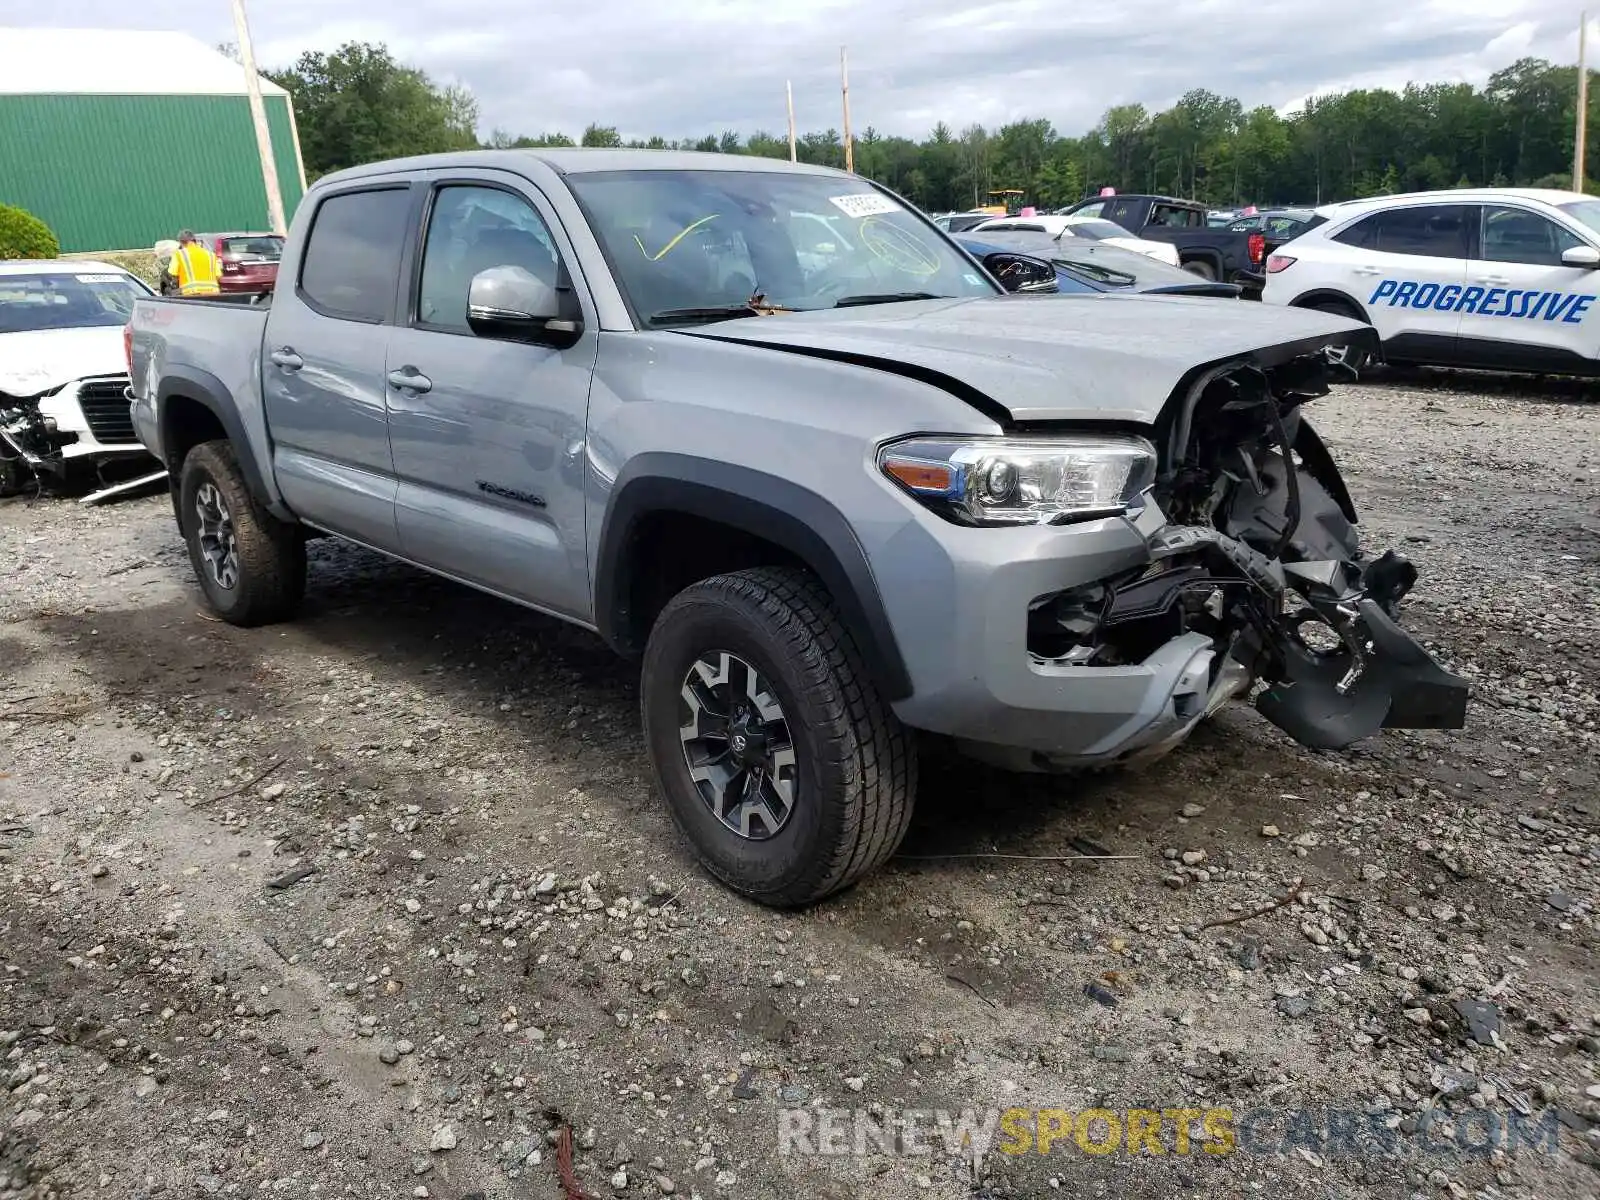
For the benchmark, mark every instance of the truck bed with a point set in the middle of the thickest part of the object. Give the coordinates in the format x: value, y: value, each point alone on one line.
x: 193, y: 346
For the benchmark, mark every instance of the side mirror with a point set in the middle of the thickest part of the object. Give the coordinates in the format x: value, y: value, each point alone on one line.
x: 1022, y: 273
x: 1581, y: 256
x: 514, y: 304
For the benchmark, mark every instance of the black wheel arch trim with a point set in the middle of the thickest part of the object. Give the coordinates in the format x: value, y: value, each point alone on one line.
x: 1320, y: 466
x: 205, y: 389
x: 1312, y: 298
x: 776, y: 510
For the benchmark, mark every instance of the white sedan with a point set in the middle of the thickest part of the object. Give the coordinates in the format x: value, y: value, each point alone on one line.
x: 63, y: 366
x: 1091, y: 229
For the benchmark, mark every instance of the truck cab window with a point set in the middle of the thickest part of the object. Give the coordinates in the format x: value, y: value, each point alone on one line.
x: 352, y: 256
x: 473, y: 229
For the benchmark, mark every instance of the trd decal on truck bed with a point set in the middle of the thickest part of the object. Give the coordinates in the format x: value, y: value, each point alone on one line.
x: 1529, y: 305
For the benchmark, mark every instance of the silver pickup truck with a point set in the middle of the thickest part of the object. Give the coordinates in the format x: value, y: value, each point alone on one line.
x: 835, y: 499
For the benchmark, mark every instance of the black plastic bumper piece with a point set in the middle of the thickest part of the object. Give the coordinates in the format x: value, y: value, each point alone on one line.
x: 1400, y: 687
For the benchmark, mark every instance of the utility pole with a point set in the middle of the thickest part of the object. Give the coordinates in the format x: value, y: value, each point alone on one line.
x: 258, y: 114
x: 788, y: 88
x: 844, y: 85
x: 1583, y: 107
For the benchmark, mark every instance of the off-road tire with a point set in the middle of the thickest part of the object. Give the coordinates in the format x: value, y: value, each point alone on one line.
x: 1201, y: 268
x: 271, y: 554
x: 856, y: 766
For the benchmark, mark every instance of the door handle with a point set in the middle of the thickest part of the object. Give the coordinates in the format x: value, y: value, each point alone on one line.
x: 1368, y: 270
x: 286, y: 358
x: 1494, y: 279
x: 409, y: 379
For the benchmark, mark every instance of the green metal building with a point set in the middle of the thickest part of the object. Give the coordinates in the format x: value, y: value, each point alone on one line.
x: 117, y: 139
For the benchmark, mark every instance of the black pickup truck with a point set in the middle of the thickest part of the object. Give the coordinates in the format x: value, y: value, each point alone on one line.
x: 1211, y: 253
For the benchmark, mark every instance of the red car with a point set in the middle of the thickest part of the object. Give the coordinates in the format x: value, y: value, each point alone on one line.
x: 249, y: 260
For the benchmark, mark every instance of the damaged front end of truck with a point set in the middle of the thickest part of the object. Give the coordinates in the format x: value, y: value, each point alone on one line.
x: 1253, y: 547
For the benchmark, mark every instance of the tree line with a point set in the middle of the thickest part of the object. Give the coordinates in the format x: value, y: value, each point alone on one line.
x: 358, y: 104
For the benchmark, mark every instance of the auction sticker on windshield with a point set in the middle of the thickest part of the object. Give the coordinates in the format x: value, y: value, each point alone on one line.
x: 864, y: 204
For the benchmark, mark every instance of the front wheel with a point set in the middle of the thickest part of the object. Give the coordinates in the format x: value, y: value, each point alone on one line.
x: 787, y: 772
x: 251, y: 566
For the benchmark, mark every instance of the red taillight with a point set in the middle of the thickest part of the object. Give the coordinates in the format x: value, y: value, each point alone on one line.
x: 1258, y: 247
x: 127, y: 346
x: 1279, y: 262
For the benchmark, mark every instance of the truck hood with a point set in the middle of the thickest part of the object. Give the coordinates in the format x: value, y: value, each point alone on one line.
x: 41, y: 360
x: 1050, y: 357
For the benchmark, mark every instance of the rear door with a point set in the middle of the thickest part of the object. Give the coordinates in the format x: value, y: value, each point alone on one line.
x: 1523, y: 309
x: 489, y: 435
x: 1408, y: 267
x: 322, y: 374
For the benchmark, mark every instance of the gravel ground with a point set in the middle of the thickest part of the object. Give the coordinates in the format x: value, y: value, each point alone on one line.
x: 378, y: 903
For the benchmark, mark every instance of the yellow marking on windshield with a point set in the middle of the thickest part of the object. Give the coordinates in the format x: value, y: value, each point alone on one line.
x: 681, y: 234
x: 898, y: 247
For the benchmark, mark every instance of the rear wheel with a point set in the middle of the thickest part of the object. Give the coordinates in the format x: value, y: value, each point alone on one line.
x: 1358, y: 359
x: 1201, y: 268
x: 251, y: 566
x: 781, y: 764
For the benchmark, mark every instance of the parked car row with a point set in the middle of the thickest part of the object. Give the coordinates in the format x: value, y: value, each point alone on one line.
x: 1076, y: 229
x: 1084, y: 266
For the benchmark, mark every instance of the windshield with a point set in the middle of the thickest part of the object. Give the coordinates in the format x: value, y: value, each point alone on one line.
x: 1586, y: 212
x: 253, y: 249
x: 686, y: 243
x: 58, y: 300
x: 1096, y: 230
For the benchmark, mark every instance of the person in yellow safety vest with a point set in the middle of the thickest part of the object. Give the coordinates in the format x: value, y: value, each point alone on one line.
x: 195, y: 267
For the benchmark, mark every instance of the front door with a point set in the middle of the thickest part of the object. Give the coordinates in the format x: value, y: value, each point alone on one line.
x: 323, y: 363
x: 1532, y: 312
x: 488, y: 435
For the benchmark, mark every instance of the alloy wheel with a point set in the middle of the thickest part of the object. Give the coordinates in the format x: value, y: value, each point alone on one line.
x: 218, y: 545
x: 737, y: 745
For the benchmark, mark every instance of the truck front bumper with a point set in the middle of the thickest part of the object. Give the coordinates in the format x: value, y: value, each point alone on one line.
x: 1003, y: 702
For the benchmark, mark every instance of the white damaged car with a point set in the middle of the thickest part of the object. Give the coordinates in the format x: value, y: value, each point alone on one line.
x: 64, y: 368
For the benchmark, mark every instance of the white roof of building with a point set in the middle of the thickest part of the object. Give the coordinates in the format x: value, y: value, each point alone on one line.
x: 117, y: 62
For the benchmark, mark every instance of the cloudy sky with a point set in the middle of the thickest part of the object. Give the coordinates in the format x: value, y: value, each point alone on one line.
x: 679, y: 69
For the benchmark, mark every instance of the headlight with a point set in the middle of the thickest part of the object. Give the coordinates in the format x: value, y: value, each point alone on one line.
x: 1023, y: 481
